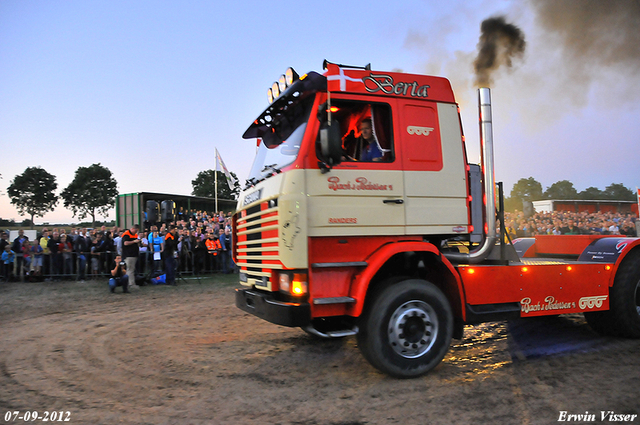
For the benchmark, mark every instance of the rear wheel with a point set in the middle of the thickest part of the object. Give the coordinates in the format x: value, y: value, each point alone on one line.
x: 406, y: 331
x: 623, y: 317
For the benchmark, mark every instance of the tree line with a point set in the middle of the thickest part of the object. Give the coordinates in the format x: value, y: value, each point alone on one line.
x: 530, y: 189
x: 93, y: 191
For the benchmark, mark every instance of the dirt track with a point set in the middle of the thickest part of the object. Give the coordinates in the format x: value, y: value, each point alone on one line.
x: 187, y: 355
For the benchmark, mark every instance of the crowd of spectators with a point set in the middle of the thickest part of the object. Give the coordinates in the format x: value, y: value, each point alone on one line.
x: 570, y: 223
x: 202, y: 245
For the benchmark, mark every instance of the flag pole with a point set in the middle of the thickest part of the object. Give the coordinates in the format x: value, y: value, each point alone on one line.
x: 216, y: 185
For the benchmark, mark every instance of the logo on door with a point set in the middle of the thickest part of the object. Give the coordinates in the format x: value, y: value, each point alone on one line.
x: 419, y: 131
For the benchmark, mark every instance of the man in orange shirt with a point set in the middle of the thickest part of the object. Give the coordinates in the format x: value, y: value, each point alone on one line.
x: 213, y: 248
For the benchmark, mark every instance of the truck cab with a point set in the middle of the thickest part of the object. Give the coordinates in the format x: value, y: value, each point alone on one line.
x: 362, y: 216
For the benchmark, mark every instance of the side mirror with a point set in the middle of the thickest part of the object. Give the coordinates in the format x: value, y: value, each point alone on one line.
x: 330, y: 144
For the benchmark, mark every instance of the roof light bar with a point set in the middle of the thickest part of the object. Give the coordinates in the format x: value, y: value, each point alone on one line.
x: 285, y: 80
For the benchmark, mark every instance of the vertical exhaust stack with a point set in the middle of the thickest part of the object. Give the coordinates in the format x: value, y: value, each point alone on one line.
x: 486, y: 142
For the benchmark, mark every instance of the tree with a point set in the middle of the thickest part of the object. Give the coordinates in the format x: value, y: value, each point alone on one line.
x: 527, y: 190
x: 618, y: 192
x: 92, y: 190
x: 562, y: 189
x: 32, y: 192
x: 591, y: 194
x: 204, y: 185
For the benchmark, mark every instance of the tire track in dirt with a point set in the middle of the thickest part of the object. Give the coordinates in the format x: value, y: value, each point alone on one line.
x: 187, y: 355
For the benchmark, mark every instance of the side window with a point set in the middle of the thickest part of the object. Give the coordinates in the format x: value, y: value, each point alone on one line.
x: 366, y: 131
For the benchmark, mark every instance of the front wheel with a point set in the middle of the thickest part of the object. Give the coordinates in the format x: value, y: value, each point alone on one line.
x: 406, y: 331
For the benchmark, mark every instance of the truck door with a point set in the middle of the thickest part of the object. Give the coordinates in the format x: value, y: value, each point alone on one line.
x: 430, y: 149
x: 363, y: 195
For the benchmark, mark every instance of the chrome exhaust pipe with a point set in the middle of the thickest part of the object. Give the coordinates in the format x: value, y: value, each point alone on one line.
x: 486, y: 142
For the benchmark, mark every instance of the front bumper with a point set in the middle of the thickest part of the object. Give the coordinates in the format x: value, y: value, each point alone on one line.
x: 266, y: 307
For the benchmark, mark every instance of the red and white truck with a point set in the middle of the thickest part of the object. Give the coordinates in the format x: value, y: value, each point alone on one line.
x: 401, y: 248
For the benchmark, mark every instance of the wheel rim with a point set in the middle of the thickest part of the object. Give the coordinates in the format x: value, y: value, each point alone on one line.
x: 413, y: 328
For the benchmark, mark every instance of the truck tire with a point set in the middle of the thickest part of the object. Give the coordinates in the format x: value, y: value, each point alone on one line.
x: 625, y: 298
x: 623, y: 317
x: 406, y: 330
x: 600, y: 321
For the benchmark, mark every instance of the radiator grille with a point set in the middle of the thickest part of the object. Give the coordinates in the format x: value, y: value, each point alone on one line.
x: 257, y: 243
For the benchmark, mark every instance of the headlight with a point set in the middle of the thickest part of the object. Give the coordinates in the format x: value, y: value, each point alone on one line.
x: 275, y: 89
x: 290, y: 76
x: 282, y: 83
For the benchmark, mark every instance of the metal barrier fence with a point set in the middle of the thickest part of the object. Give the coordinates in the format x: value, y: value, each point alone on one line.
x: 76, y: 266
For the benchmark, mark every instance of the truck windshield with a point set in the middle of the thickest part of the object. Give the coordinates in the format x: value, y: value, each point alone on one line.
x: 281, y: 144
x: 270, y: 160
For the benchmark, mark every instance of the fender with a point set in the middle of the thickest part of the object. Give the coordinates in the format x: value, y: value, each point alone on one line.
x: 624, y: 246
x: 376, y: 260
x: 612, y: 250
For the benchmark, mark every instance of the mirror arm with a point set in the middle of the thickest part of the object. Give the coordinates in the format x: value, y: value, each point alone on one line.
x: 324, y: 167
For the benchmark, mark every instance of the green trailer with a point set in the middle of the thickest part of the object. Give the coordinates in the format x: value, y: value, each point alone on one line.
x: 134, y: 208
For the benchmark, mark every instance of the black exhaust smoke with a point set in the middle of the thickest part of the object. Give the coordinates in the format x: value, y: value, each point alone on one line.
x: 499, y: 43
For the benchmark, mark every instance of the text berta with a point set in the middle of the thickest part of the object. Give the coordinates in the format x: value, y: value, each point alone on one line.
x: 605, y: 416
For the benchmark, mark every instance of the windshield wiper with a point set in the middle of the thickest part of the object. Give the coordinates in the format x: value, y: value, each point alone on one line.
x: 250, y: 182
x: 271, y: 167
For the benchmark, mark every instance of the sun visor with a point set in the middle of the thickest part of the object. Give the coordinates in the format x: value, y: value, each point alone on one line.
x: 307, y: 85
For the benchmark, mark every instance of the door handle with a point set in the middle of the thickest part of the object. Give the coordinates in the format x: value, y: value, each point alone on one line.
x: 393, y: 201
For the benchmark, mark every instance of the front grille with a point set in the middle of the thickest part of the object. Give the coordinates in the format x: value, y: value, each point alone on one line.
x: 257, y: 243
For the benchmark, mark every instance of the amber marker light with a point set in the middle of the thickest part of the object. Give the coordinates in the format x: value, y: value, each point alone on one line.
x: 471, y: 271
x: 334, y: 109
x: 299, y: 284
x: 525, y: 269
x: 569, y: 268
x: 607, y: 267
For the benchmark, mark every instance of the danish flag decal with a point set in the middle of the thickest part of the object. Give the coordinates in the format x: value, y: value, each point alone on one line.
x: 339, y: 80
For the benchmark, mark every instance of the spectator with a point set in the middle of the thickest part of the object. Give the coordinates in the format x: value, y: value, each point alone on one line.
x: 37, y: 254
x: 226, y: 244
x: 187, y: 244
x: 119, y: 277
x: 81, y: 248
x: 17, y: 248
x: 3, y: 241
x: 143, y: 257
x: 65, y: 249
x: 613, y: 228
x: 571, y: 229
x: 213, y: 249
x: 199, y: 255
x: 56, y: 258
x: 108, y: 251
x: 170, y: 247
x: 44, y: 243
x: 156, y: 244
x: 26, y: 258
x: 130, y: 252
x: 96, y: 253
x: 8, y: 258
x: 117, y: 243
